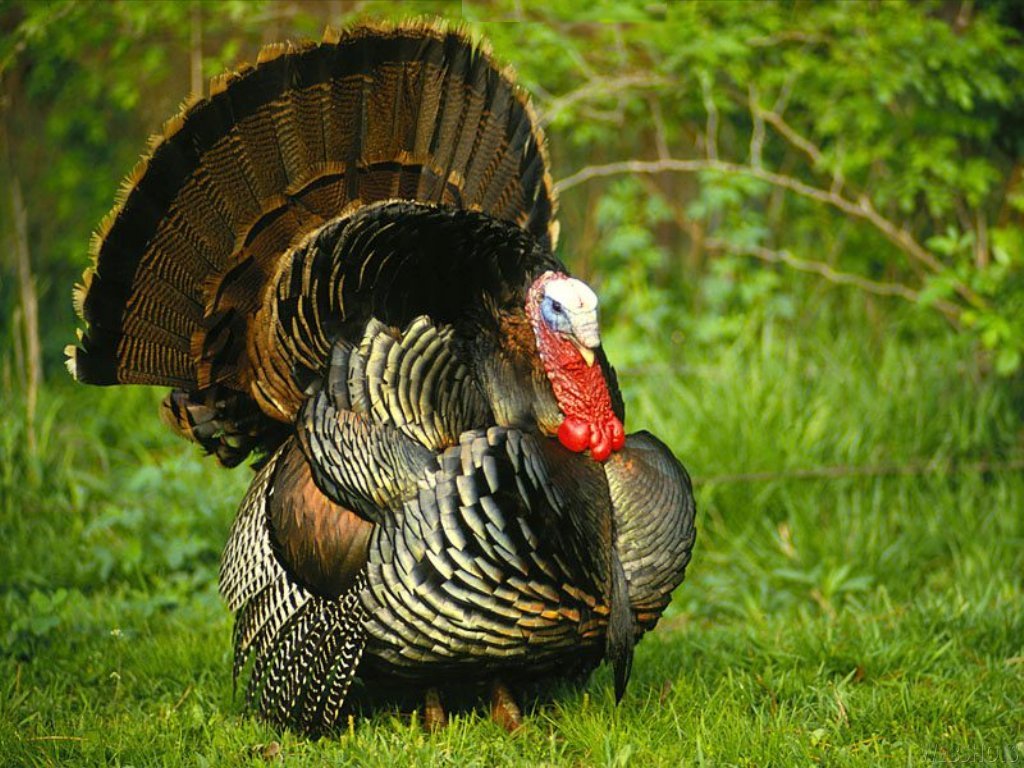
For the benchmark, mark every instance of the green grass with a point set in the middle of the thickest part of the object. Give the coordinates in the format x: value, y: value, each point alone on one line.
x: 849, y: 620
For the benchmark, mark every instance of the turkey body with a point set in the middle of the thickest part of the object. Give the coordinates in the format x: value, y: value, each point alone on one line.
x: 342, y: 261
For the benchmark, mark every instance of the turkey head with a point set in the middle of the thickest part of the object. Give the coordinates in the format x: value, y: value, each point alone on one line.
x: 563, y: 313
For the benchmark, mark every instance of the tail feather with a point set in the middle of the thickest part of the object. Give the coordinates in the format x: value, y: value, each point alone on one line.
x: 305, y: 136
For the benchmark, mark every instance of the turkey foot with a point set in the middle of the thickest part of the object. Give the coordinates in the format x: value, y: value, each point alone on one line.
x: 504, y: 710
x: 434, y: 717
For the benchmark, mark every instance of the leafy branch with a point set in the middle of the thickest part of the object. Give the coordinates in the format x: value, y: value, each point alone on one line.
x: 828, y: 272
x: 860, y: 208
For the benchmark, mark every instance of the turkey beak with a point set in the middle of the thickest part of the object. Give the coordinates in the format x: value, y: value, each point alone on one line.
x: 585, y: 352
x: 585, y: 335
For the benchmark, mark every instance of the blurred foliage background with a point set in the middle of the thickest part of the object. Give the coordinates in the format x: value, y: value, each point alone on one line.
x: 805, y: 221
x: 718, y: 163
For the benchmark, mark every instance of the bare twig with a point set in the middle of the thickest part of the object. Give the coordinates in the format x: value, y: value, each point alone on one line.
x: 757, y: 133
x: 838, y: 180
x: 597, y: 87
x: 776, y: 121
x: 813, y: 152
x: 660, y: 133
x: 579, y: 59
x: 615, y: 116
x: 711, y: 132
x: 195, y: 49
x: 782, y: 100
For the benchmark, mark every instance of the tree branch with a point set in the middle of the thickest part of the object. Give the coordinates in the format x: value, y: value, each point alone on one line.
x: 711, y: 132
x: 660, y: 133
x: 757, y: 132
x: 813, y: 152
x: 195, y: 49
x: 597, y: 87
x: 951, y: 311
x: 776, y: 121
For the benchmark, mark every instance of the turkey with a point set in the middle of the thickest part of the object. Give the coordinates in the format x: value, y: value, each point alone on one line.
x: 341, y: 262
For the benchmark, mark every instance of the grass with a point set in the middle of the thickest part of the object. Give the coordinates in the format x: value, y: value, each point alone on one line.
x: 849, y: 620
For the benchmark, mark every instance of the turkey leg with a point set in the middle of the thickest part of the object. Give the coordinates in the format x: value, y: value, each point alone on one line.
x: 504, y: 710
x: 434, y: 717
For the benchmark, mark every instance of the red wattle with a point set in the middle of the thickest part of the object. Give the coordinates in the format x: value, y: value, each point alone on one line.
x: 574, y: 435
x: 600, y: 445
x: 618, y: 434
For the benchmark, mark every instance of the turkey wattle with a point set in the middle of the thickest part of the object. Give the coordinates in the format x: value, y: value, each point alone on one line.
x: 342, y: 261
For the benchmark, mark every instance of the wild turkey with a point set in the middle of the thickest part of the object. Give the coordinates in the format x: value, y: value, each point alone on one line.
x: 342, y: 261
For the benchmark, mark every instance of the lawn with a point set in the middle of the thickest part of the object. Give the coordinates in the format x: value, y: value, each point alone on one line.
x: 868, y: 612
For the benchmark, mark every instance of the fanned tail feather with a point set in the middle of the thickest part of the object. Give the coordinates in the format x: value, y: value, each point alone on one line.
x: 307, y: 135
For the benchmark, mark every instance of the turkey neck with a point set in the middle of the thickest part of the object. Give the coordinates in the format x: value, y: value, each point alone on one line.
x: 498, y: 347
x: 580, y: 389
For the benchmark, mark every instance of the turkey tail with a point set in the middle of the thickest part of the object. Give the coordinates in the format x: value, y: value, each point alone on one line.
x: 227, y: 424
x: 309, y: 134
